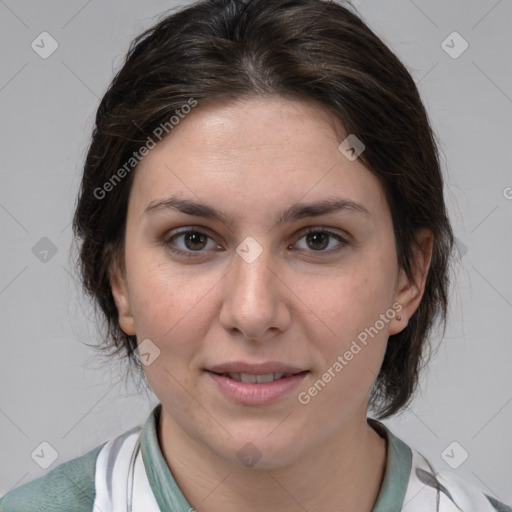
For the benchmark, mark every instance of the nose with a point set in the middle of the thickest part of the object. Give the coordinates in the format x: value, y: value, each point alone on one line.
x: 254, y: 305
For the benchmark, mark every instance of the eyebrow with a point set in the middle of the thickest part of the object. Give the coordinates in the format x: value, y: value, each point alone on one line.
x: 294, y: 213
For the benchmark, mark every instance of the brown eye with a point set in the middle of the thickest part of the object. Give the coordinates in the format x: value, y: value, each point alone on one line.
x: 317, y: 240
x: 189, y: 241
x: 194, y: 240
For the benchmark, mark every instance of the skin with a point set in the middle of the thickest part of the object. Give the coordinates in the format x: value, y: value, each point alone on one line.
x: 252, y: 158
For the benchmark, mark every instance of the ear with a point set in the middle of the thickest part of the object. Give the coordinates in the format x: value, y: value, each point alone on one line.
x: 409, y: 292
x: 121, y: 297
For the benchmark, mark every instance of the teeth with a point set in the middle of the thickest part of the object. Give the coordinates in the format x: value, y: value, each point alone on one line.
x: 268, y: 377
x: 247, y: 377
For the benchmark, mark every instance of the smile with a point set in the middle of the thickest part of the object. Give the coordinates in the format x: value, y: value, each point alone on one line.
x: 261, y: 378
x: 255, y: 389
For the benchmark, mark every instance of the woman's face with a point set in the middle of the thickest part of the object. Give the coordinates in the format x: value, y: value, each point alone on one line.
x: 250, y: 287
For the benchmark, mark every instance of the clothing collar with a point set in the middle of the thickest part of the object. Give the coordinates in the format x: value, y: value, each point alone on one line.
x: 169, y: 496
x: 167, y: 493
x: 398, y: 468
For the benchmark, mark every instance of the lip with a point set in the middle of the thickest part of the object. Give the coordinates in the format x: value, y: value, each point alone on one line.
x: 254, y: 368
x: 247, y: 393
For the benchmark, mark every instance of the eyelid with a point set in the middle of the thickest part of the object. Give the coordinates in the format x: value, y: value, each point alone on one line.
x: 332, y: 231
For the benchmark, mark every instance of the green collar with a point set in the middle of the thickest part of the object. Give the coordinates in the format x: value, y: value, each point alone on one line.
x: 169, y: 496
x: 398, y: 469
x: 167, y: 493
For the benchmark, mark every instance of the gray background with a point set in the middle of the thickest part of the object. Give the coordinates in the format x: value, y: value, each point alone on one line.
x: 54, y: 388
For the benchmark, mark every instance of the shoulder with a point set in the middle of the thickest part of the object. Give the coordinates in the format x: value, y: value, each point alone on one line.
x: 419, y: 484
x: 451, y: 491
x: 70, y: 486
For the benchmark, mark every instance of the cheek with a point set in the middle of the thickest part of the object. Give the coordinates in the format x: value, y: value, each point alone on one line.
x: 166, y: 303
x: 353, y: 297
x: 356, y: 312
x: 173, y: 313
x: 170, y: 314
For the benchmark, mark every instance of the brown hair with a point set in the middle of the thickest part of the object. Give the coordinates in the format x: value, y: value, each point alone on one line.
x: 303, y: 49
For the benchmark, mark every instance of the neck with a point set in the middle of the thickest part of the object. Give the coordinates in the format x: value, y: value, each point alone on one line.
x: 345, y: 473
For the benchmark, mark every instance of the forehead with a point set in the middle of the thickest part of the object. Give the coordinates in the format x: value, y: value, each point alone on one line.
x: 255, y: 152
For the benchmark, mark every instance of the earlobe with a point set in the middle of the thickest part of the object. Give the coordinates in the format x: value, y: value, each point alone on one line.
x: 410, y: 291
x: 121, y: 298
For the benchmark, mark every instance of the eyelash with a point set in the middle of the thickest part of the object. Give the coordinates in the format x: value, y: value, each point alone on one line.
x: 190, y: 254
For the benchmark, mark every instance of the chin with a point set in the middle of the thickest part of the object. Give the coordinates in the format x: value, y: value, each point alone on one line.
x: 261, y: 451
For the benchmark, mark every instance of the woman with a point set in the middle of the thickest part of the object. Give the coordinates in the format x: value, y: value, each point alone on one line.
x: 262, y: 224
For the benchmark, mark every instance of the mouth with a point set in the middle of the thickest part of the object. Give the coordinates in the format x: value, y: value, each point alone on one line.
x: 255, y: 384
x: 261, y: 378
x: 259, y: 369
